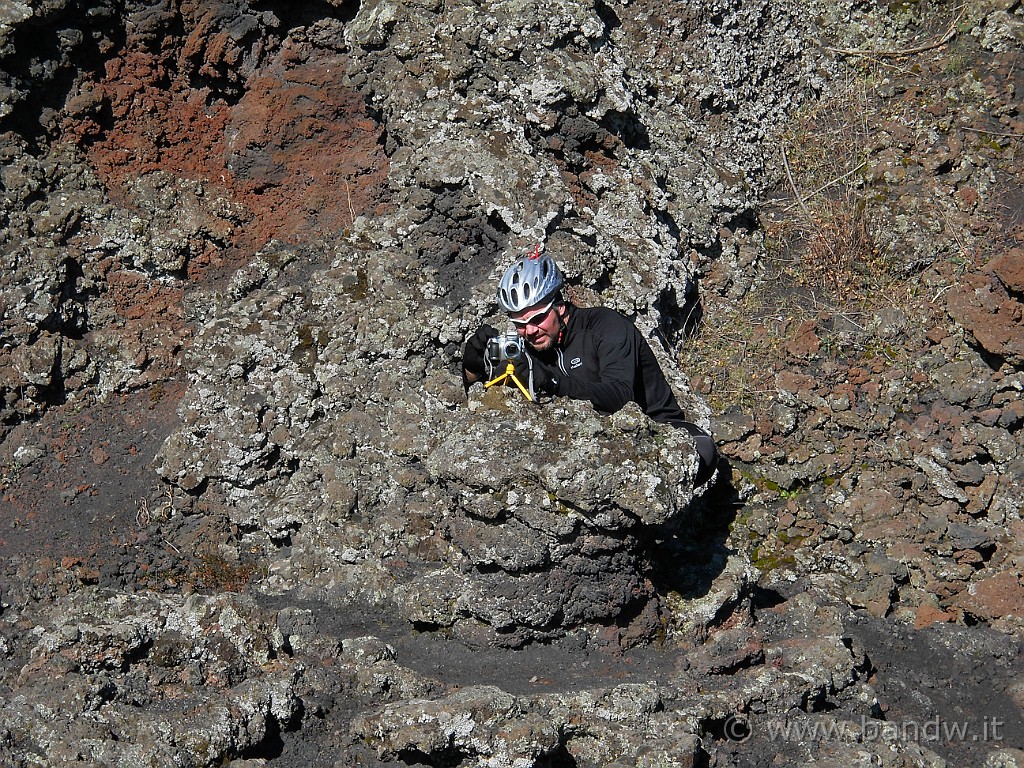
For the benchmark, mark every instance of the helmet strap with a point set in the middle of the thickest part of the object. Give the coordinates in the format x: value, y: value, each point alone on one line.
x: 561, y: 323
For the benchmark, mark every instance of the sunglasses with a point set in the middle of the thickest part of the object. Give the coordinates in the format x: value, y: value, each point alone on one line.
x: 535, y: 319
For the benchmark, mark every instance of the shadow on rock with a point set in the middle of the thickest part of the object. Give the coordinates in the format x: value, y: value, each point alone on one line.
x: 705, y: 583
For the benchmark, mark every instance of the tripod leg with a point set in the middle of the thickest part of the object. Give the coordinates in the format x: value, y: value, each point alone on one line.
x: 524, y: 390
x: 496, y: 380
x: 510, y: 373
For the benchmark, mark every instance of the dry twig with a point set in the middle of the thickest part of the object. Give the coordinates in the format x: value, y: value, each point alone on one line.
x: 994, y: 133
x: 899, y: 53
x: 902, y: 52
x: 822, y: 188
x: 792, y: 183
x: 142, y: 513
x: 351, y: 210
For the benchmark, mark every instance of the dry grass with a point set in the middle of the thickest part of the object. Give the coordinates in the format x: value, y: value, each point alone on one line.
x: 823, y: 228
x: 831, y: 252
x: 213, y: 572
x: 857, y: 215
x: 734, y: 356
x: 821, y: 259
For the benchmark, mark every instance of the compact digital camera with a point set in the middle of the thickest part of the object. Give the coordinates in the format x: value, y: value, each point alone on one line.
x: 504, y: 347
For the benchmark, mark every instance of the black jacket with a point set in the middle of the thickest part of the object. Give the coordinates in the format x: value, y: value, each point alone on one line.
x: 603, y: 358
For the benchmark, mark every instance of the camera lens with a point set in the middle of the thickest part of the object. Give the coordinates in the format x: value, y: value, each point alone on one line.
x: 511, y: 349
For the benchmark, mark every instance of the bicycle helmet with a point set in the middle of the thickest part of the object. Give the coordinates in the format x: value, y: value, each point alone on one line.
x: 529, y: 281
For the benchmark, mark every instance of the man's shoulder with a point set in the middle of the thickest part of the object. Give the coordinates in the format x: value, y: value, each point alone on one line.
x: 602, y: 320
x: 598, y: 315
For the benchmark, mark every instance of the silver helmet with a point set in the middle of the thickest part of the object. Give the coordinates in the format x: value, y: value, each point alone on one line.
x: 529, y: 281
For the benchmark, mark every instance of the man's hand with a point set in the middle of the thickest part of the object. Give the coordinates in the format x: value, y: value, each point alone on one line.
x: 545, y: 378
x: 473, y: 366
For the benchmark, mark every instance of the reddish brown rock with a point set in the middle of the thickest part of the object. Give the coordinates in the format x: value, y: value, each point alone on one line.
x: 298, y: 150
x: 995, y: 597
x: 966, y: 198
x: 795, y: 383
x: 985, y: 305
x: 805, y: 341
x: 1009, y: 268
x: 929, y: 614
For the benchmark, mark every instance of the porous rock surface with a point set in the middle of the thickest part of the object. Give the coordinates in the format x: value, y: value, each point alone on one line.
x: 252, y: 518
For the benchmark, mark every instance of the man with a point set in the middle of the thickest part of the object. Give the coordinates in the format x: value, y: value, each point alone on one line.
x: 585, y: 353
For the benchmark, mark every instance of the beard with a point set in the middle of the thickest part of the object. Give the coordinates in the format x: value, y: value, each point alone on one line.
x: 542, y: 344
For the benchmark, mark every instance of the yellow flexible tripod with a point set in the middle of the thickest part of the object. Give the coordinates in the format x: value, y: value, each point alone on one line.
x: 510, y: 373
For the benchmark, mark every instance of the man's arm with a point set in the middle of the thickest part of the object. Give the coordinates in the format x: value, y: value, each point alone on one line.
x: 473, y: 368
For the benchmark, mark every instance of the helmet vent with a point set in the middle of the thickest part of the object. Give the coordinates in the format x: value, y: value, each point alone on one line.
x: 529, y: 281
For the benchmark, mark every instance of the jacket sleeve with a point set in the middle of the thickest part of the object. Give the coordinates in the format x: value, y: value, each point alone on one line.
x: 616, y: 361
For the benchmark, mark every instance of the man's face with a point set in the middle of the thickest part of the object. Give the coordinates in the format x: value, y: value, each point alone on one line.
x: 538, y: 325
